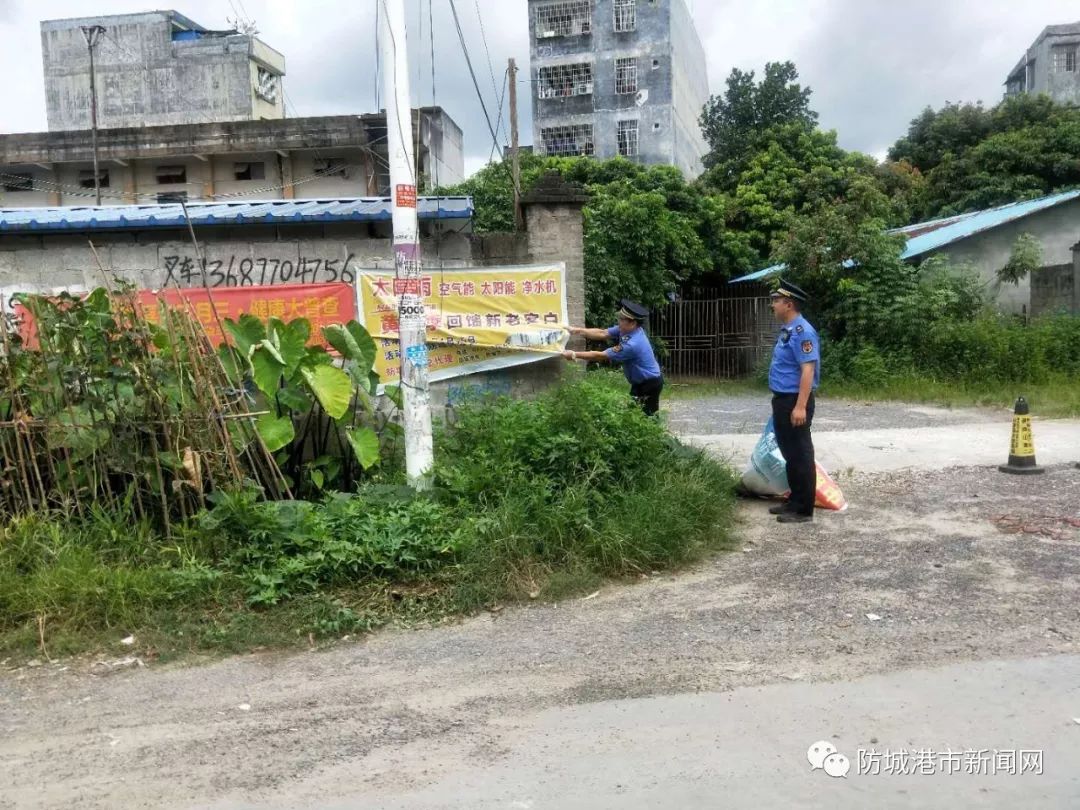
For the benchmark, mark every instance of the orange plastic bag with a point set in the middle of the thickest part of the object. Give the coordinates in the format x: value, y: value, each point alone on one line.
x: 828, y: 495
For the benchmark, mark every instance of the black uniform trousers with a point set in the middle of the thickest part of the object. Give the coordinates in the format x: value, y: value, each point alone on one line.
x: 797, y: 448
x: 648, y: 394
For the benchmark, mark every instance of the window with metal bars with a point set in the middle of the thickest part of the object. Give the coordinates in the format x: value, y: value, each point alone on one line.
x: 626, y: 75
x: 331, y: 167
x: 266, y: 85
x: 86, y: 178
x: 625, y: 15
x: 249, y: 171
x: 1065, y: 59
x: 569, y: 141
x: 564, y: 19
x: 170, y: 175
x: 563, y: 81
x: 627, y: 134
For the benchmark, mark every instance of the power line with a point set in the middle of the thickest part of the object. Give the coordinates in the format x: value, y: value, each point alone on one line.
x: 419, y: 114
x: 472, y: 73
x: 138, y: 62
x: 248, y: 18
x: 236, y: 11
x: 499, y: 123
x: 499, y: 127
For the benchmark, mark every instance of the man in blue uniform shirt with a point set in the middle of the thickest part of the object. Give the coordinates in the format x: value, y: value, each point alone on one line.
x: 793, y: 378
x: 632, y: 351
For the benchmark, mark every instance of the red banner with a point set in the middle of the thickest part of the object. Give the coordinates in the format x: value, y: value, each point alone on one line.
x: 322, y: 304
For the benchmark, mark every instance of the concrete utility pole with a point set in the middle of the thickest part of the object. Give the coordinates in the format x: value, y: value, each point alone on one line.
x: 408, y: 267
x: 515, y: 162
x: 93, y: 33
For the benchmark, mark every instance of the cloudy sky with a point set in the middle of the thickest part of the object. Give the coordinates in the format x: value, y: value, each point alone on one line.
x: 872, y: 64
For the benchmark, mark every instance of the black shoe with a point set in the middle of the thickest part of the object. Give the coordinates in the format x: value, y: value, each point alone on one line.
x: 780, y: 508
x: 794, y: 517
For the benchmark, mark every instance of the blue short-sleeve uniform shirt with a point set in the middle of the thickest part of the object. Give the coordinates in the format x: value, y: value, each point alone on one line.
x: 634, y: 353
x: 797, y: 343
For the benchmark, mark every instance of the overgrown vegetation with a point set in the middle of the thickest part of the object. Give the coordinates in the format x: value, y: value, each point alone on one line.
x: 532, y: 499
x: 99, y: 405
x: 102, y: 401
x: 779, y: 190
x: 970, y: 157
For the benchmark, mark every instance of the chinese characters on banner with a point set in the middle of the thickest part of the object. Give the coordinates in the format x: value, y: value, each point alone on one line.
x: 321, y: 304
x: 477, y: 319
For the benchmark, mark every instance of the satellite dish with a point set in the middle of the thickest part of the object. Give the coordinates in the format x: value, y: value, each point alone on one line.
x: 641, y: 98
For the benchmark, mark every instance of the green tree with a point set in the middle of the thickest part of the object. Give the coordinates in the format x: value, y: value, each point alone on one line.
x: 734, y: 123
x: 1026, y: 258
x: 973, y: 158
x: 647, y: 230
x: 637, y: 247
x: 953, y: 129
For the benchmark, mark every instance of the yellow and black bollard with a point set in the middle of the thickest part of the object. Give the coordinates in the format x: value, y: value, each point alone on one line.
x: 1022, y: 449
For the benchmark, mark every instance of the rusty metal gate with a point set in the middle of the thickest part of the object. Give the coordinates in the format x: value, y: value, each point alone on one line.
x: 715, y: 338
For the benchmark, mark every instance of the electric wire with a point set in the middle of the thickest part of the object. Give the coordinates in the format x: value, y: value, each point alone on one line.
x: 472, y: 73
x: 499, y: 126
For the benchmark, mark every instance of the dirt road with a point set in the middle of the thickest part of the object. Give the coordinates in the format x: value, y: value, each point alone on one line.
x: 686, y: 690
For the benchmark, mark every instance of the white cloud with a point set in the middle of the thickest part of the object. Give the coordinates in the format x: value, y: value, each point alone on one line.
x: 872, y: 65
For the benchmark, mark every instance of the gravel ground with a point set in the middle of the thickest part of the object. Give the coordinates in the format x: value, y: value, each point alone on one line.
x: 960, y: 565
x: 748, y: 413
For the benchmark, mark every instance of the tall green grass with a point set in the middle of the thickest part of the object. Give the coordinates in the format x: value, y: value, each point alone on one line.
x: 536, y: 499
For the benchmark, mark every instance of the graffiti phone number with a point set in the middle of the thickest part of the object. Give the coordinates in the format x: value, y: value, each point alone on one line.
x: 251, y: 272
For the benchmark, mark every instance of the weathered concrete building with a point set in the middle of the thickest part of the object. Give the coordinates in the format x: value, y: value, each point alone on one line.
x: 984, y: 241
x: 158, y: 68
x: 1051, y: 66
x: 285, y: 158
x: 618, y: 77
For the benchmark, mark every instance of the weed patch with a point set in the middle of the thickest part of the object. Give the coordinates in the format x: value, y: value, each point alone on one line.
x: 538, y: 499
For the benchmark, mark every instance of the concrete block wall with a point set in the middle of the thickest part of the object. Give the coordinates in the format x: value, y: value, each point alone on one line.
x: 1057, y: 289
x: 1054, y: 290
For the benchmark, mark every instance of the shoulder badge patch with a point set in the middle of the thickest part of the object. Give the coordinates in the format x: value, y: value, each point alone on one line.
x: 808, y: 347
x: 799, y: 329
x: 617, y: 347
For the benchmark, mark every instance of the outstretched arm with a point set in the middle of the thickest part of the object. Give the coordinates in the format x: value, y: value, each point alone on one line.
x: 589, y: 334
x: 597, y: 357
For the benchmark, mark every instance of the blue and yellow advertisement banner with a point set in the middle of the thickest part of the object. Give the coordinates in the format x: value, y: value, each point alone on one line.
x: 478, y: 319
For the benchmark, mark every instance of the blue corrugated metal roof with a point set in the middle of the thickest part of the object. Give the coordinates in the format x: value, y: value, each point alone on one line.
x: 937, y: 233
x: 970, y: 224
x: 170, y: 215
x: 774, y: 270
x: 758, y: 275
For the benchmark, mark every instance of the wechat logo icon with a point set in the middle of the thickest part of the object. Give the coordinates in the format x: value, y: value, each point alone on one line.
x: 823, y: 756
